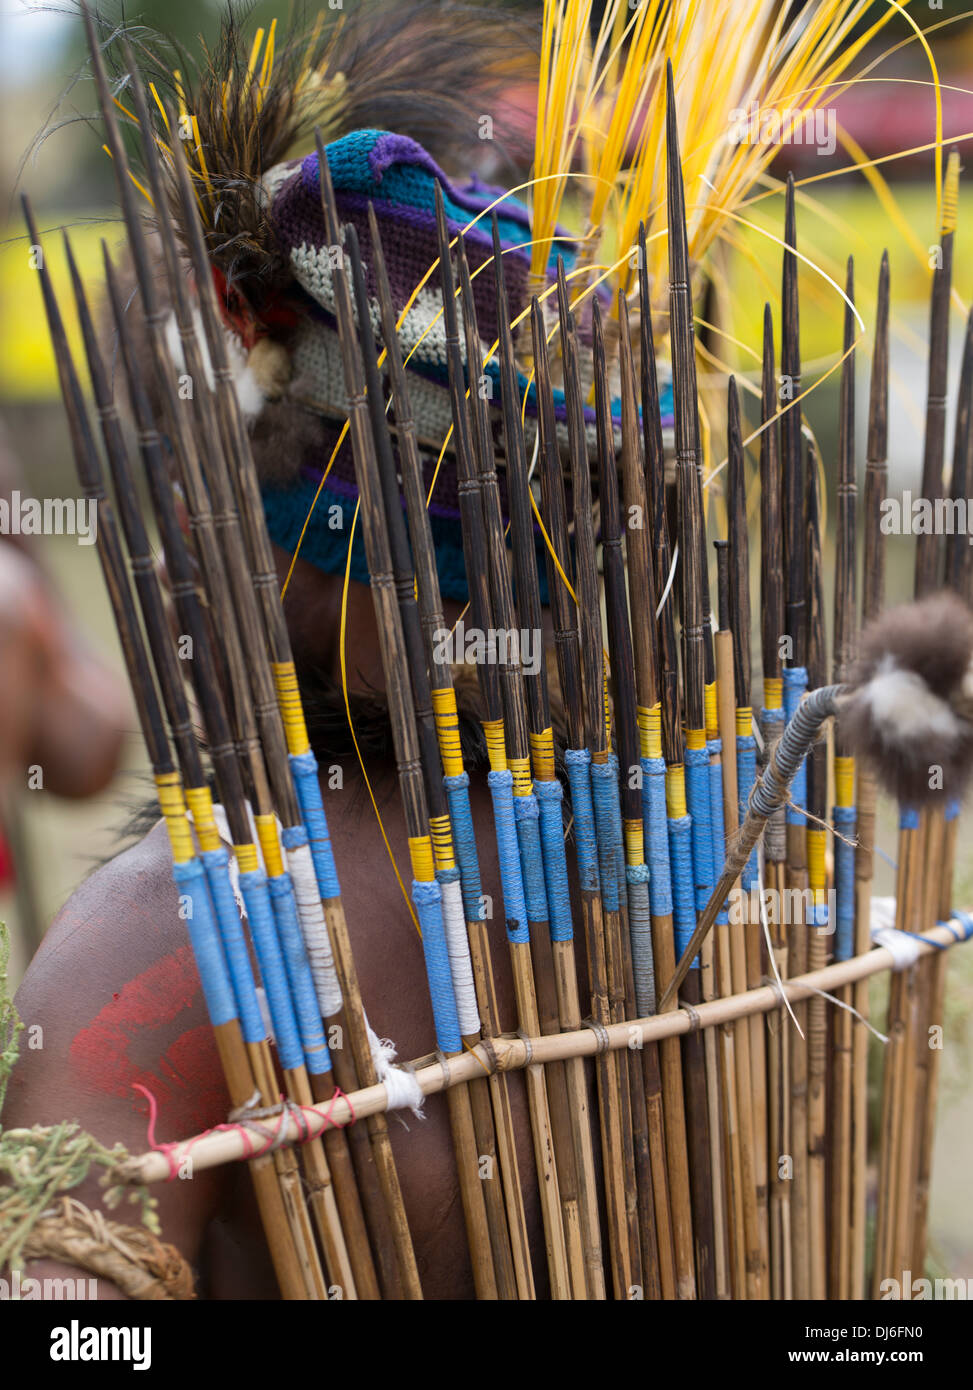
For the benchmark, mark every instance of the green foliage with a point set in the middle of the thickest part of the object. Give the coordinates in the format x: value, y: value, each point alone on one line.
x: 10, y: 1024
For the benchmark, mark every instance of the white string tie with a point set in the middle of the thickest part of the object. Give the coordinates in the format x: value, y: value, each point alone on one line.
x: 902, y: 946
x: 401, y: 1086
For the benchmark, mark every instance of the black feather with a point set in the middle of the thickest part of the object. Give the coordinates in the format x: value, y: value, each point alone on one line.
x: 421, y: 68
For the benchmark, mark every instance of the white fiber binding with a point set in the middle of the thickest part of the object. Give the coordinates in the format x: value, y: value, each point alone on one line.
x: 460, y: 966
x: 401, y: 1087
x: 314, y: 930
x: 310, y: 913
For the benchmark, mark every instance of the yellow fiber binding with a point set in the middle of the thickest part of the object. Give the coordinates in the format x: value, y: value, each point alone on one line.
x: 420, y: 852
x: 844, y: 781
x: 496, y: 746
x: 712, y: 717
x: 642, y: 717
x: 542, y: 754
x: 447, y: 730
x: 442, y: 842
x: 200, y: 802
x: 520, y: 767
x: 269, y: 844
x: 676, y: 791
x: 291, y: 709
x: 169, y: 788
x: 246, y: 858
x: 650, y: 730
x: 607, y: 703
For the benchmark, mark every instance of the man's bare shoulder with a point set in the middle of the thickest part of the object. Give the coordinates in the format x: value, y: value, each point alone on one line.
x: 112, y: 1002
x: 112, y: 999
x: 128, y: 906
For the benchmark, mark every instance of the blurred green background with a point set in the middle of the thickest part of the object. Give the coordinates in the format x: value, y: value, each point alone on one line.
x: 68, y: 178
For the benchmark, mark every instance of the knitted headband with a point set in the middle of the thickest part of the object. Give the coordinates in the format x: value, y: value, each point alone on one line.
x: 398, y: 177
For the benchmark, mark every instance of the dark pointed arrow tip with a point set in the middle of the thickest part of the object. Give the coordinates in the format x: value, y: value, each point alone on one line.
x: 495, y: 232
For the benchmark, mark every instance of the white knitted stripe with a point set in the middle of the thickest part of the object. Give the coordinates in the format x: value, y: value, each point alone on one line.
x: 317, y: 370
x: 314, y: 929
x: 319, y: 376
x: 460, y: 965
x: 313, y: 272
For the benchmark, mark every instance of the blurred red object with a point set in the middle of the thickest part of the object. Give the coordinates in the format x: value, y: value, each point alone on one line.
x: 7, y: 871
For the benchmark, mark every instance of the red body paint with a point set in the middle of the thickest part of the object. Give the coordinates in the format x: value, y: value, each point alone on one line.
x: 133, y: 1038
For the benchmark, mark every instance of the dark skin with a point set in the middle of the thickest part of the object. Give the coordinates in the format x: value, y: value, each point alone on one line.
x: 62, y: 710
x: 134, y: 1010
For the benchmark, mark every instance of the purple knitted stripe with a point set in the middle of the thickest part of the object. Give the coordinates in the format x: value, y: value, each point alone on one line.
x: 423, y: 250
x: 479, y: 245
x: 392, y: 149
x: 300, y: 198
x: 407, y: 256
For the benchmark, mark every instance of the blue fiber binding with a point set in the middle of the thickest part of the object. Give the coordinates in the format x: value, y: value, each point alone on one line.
x: 845, y: 818
x: 527, y: 818
x: 746, y: 777
x: 428, y: 900
x: 795, y: 685
x: 501, y: 784
x: 550, y: 798
x: 304, y: 769
x: 256, y: 898
x: 602, y: 784
x: 684, y: 904
x: 284, y: 906
x: 464, y: 843
x: 578, y: 763
x: 714, y: 749
x: 217, y: 865
x: 698, y: 806
x: 190, y: 879
x: 656, y: 835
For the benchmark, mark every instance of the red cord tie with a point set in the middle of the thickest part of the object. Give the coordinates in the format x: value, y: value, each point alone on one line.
x: 249, y: 1123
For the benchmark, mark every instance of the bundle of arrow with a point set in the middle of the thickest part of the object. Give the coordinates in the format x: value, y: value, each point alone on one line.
x: 716, y: 1146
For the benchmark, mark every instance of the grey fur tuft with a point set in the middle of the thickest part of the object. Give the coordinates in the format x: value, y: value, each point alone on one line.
x: 911, y: 709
